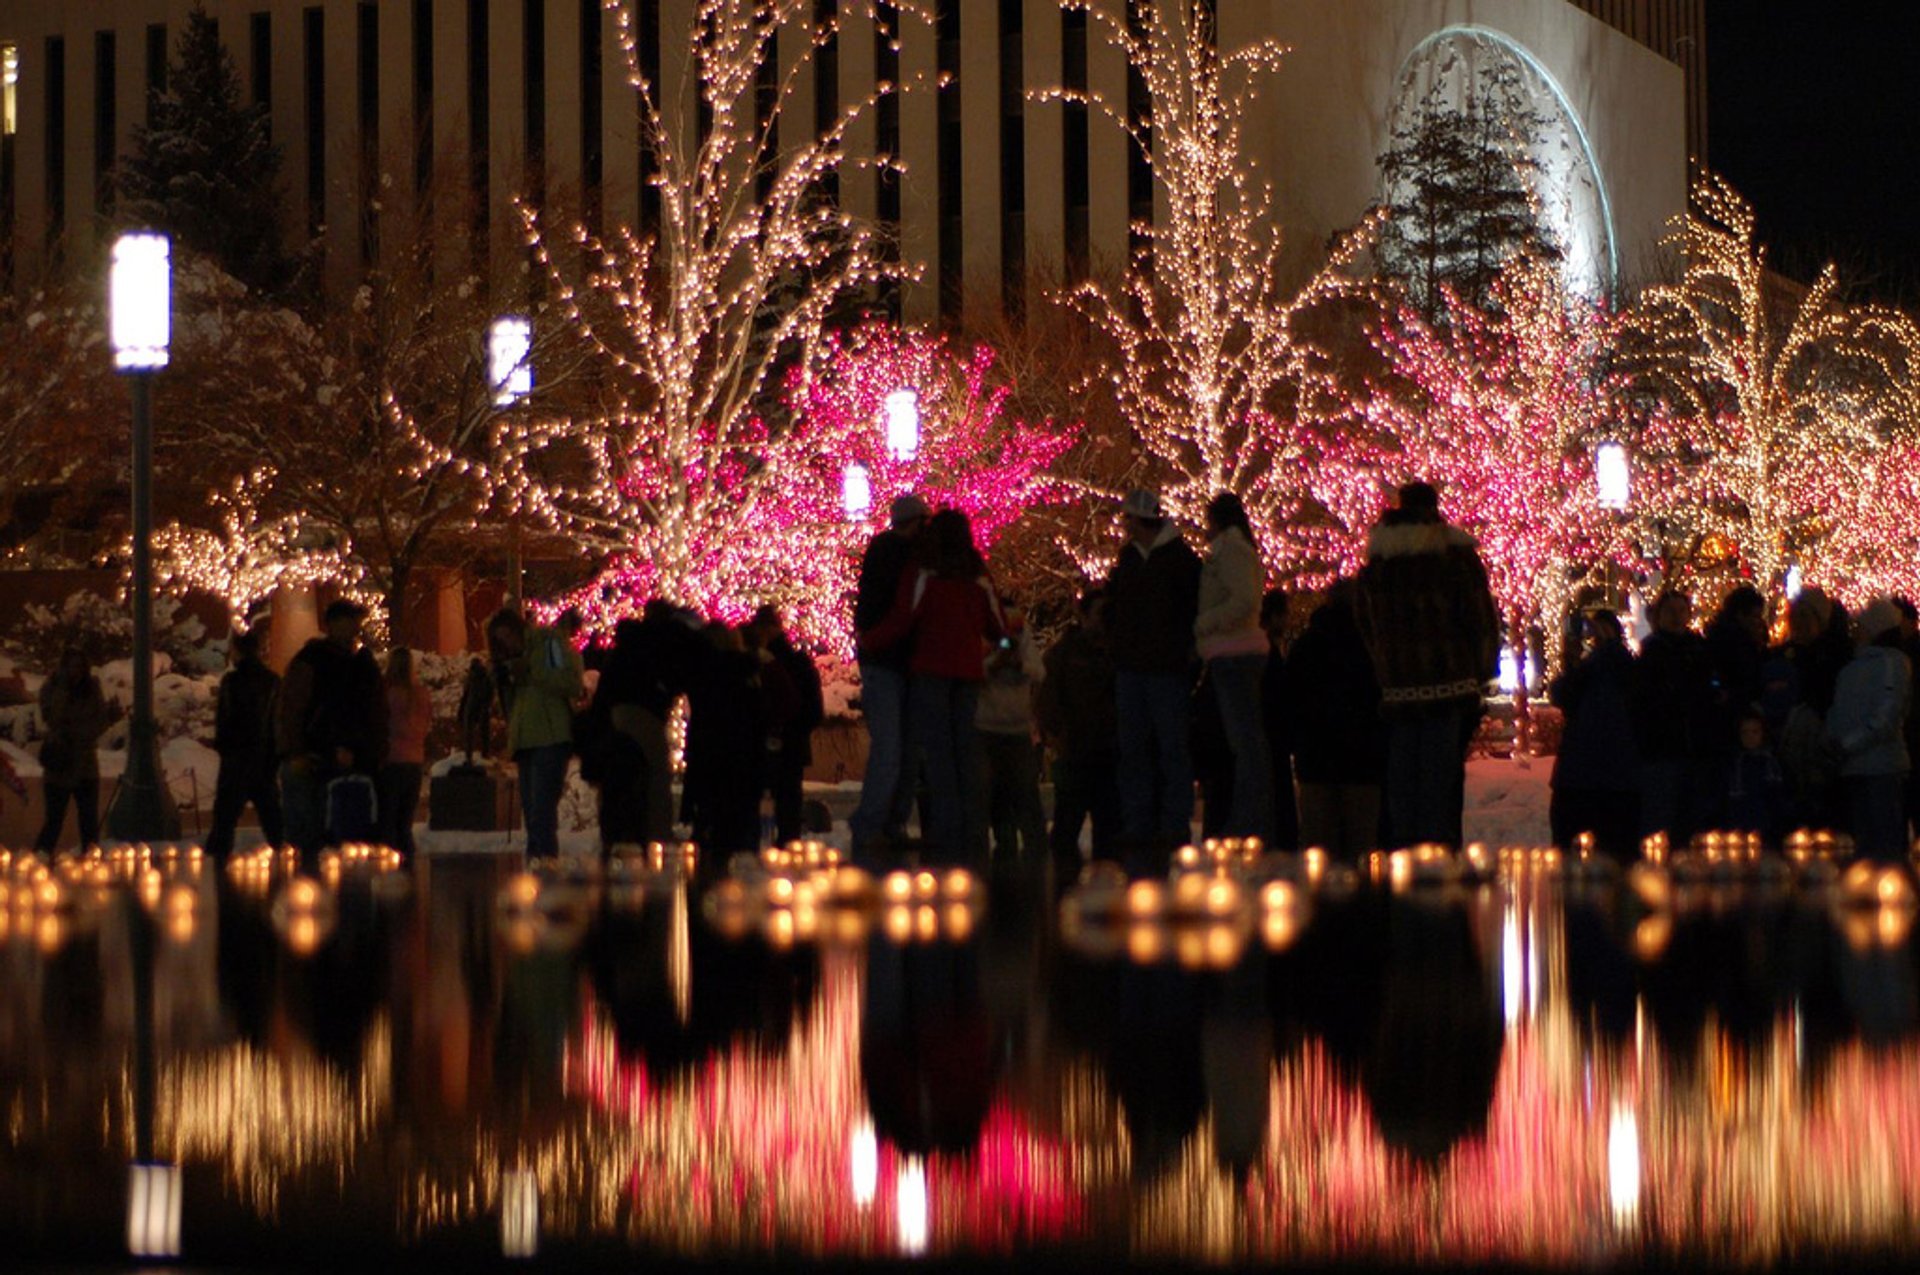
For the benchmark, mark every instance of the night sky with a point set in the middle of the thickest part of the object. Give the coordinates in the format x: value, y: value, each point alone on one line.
x: 1813, y: 117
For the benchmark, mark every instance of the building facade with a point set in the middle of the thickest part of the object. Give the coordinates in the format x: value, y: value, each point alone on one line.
x: 374, y: 100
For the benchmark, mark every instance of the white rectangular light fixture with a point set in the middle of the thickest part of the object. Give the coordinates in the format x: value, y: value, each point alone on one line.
x: 140, y: 301
x: 902, y: 411
x: 509, y: 367
x: 153, y: 1210
x: 1612, y: 478
x: 856, y: 492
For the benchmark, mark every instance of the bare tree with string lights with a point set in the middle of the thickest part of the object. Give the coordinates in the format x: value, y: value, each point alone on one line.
x: 1771, y: 393
x: 697, y: 323
x: 1212, y: 361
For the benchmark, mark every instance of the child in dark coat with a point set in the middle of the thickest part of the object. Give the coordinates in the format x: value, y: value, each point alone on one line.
x: 1756, y: 786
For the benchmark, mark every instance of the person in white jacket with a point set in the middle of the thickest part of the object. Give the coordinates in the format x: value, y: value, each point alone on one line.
x: 1866, y: 728
x: 1228, y: 636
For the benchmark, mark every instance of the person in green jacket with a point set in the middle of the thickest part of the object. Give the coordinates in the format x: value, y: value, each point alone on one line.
x: 548, y: 676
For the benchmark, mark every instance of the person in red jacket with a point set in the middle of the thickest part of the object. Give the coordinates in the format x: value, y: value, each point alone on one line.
x: 947, y: 604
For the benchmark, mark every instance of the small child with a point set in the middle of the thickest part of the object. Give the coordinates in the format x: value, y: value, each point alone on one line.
x: 1756, y: 786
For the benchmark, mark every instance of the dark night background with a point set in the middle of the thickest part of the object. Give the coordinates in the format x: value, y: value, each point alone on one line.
x: 1811, y: 115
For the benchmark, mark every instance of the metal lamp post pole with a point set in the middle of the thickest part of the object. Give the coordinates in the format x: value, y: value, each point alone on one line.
x: 140, y: 304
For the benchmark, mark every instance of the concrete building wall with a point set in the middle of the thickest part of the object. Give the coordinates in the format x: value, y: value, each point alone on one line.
x: 1319, y: 126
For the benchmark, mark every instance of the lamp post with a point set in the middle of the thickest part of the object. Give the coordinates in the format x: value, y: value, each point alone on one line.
x: 510, y: 376
x: 140, y: 325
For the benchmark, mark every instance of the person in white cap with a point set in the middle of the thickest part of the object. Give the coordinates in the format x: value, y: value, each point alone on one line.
x: 1153, y: 597
x: 1867, y: 730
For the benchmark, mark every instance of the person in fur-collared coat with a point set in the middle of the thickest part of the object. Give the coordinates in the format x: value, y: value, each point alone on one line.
x: 1428, y: 617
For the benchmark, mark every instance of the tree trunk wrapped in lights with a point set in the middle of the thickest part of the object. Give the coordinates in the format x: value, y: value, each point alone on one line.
x: 1766, y: 386
x: 1212, y: 363
x: 697, y: 323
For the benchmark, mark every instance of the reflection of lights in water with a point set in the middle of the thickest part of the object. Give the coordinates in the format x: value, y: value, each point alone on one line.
x: 153, y: 1211
x: 910, y: 1195
x: 866, y: 1162
x: 1512, y: 975
x: 519, y: 1213
x: 1623, y: 1163
x: 680, y: 957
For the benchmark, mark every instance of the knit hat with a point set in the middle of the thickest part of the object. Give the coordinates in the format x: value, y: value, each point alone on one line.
x: 1141, y: 503
x: 1876, y: 618
x: 906, y: 509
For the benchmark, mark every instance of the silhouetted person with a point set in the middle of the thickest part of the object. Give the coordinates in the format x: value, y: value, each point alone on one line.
x: 73, y: 713
x: 243, y: 736
x: 885, y: 793
x: 1596, y: 774
x: 1075, y: 710
x: 331, y: 722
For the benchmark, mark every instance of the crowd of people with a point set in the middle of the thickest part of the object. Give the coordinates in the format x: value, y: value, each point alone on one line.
x: 1723, y: 731
x: 1173, y: 677
x: 1174, y: 690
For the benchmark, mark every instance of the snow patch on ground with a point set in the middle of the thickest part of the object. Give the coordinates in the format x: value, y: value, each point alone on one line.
x: 1507, y: 801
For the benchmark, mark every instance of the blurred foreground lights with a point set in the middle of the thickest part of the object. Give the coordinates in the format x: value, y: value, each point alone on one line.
x: 864, y: 1166
x: 519, y: 1214
x: 805, y: 893
x: 1623, y: 1164
x: 304, y: 914
x: 153, y: 1211
x: 910, y: 1199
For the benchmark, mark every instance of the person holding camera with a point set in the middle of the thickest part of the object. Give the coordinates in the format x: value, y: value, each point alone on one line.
x: 1012, y: 760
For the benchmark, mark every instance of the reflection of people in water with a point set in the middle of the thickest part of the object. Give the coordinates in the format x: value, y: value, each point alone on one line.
x: 1436, y: 1050
x: 734, y: 990
x: 334, y: 994
x: 927, y: 1061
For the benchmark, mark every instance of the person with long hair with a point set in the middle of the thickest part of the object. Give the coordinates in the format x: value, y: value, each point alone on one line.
x: 1228, y: 637
x: 946, y: 604
x: 409, y: 718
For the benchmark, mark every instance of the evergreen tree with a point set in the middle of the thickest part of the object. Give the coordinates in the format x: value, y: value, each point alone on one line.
x: 1460, y: 195
x: 204, y: 168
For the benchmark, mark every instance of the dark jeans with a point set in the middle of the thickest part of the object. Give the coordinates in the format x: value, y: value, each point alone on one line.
x: 1342, y: 819
x: 886, y: 792
x: 399, y: 802
x: 1236, y: 688
x: 1013, y: 794
x: 1426, y: 768
x: 1156, y: 761
x: 942, y: 710
x: 543, y: 777
x: 1085, y: 786
x: 1877, y: 815
x: 786, y: 775
x: 243, y: 780
x: 1613, y: 817
x: 303, y: 794
x: 85, y: 797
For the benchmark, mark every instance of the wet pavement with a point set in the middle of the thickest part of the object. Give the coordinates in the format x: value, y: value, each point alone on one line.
x: 419, y: 1064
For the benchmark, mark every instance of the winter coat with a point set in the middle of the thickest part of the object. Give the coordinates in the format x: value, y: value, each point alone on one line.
x: 1338, y: 734
x: 882, y: 567
x: 1674, y: 716
x: 1153, y: 599
x: 649, y: 665
x: 1232, y: 579
x: 243, y: 713
x: 549, y: 677
x: 948, y: 621
x: 74, y: 717
x: 1075, y: 704
x: 1867, y: 724
x: 409, y: 718
x: 1006, y: 701
x: 810, y: 710
x: 331, y: 699
x: 1427, y: 615
x: 1597, y: 751
x: 1739, y: 665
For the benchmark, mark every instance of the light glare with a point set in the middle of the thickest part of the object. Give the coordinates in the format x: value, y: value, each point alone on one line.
x: 140, y: 301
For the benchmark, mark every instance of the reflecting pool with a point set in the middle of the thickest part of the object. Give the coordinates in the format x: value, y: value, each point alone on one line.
x: 457, y: 1060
